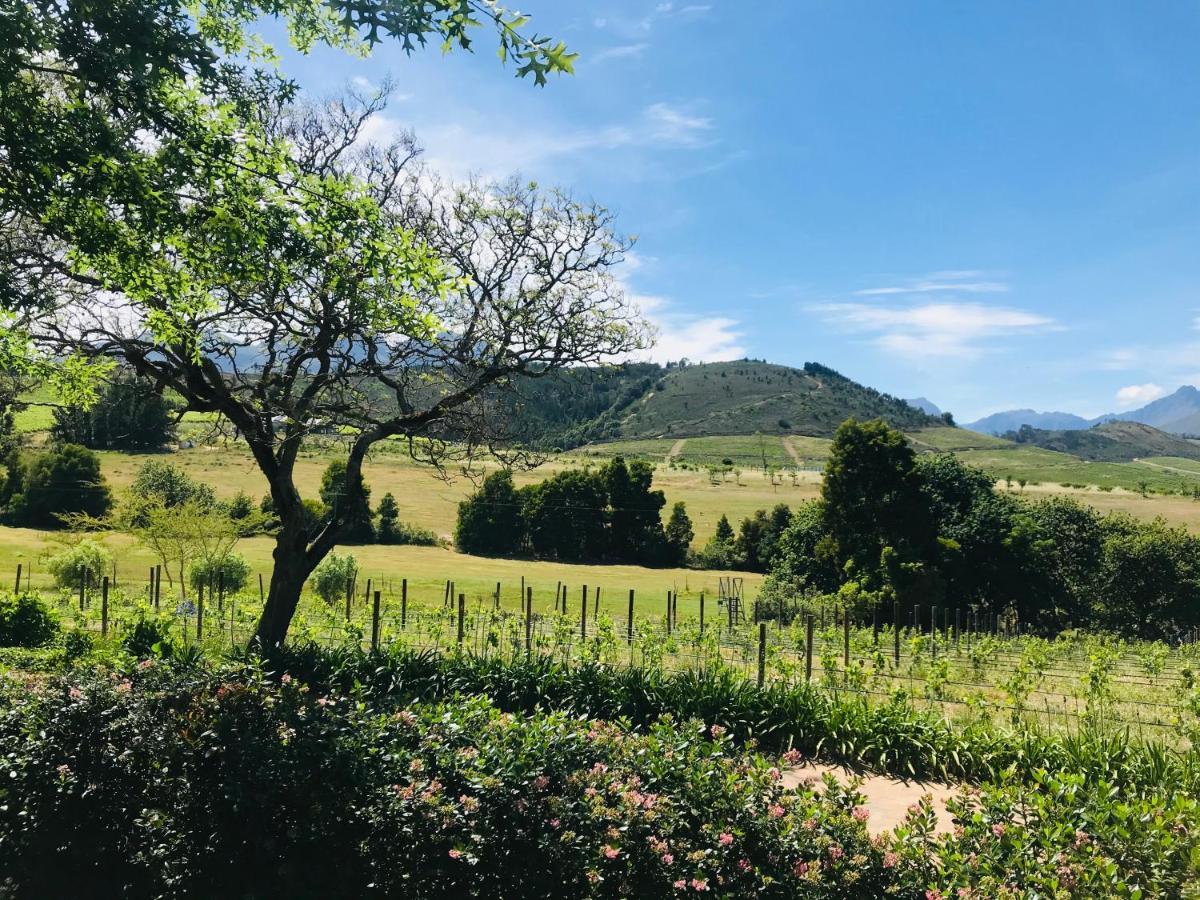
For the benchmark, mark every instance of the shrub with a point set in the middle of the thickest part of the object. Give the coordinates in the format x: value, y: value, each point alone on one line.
x: 149, y: 636
x: 233, y: 567
x: 225, y: 785
x: 334, y: 578
x: 129, y: 415
x: 25, y: 621
x: 87, y: 558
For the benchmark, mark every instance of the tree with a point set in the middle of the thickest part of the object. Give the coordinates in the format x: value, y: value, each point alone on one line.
x: 161, y: 482
x: 156, y: 198
x: 872, y: 500
x: 489, y: 521
x: 130, y: 415
x: 635, y: 511
x: 679, y: 535
x: 350, y: 502
x: 566, y: 517
x: 389, y: 518
x: 62, y: 482
x: 724, y: 531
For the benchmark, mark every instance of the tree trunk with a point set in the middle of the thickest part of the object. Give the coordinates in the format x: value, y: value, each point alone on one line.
x: 292, y: 568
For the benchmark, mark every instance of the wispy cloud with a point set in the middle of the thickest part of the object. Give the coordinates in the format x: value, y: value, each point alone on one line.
x: 935, y: 329
x: 684, y: 335
x: 483, y: 143
x: 961, y: 281
x: 1139, y: 395
x: 622, y: 51
x: 655, y: 15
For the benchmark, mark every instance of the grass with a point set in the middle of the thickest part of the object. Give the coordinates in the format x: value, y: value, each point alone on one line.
x: 955, y: 439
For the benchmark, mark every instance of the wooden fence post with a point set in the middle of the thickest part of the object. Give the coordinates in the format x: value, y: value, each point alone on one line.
x: 83, y: 579
x: 528, y: 618
x: 462, y: 611
x: 349, y: 596
x: 933, y: 631
x: 762, y: 654
x: 668, y: 613
x: 875, y: 622
x: 596, y: 605
x: 583, y: 615
x: 808, y: 648
x: 17, y: 589
x: 104, y: 607
x: 403, y: 604
x: 367, y: 595
x: 157, y: 588
x: 629, y: 624
x: 702, y: 613
x: 496, y: 600
x: 896, y: 633
x: 200, y: 611
x: 957, y: 626
x: 220, y: 591
x: 846, y: 639
x: 375, y: 622
x: 262, y: 595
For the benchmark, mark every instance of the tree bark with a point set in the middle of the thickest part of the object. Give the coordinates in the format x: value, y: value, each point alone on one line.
x: 293, y: 564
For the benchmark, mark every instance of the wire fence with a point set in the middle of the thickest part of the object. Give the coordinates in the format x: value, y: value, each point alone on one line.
x: 947, y: 662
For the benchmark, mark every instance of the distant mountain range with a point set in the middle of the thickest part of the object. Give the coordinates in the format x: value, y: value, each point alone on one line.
x: 1114, y: 441
x: 1178, y: 413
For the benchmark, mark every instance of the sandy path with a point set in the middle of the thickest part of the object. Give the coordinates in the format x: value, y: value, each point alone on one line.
x: 888, y: 799
x: 676, y: 449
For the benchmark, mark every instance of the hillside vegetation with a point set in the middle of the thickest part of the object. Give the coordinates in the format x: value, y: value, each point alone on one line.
x: 1116, y: 441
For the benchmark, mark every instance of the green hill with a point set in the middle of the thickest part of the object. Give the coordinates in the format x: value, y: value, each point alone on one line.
x: 1116, y: 441
x: 750, y: 397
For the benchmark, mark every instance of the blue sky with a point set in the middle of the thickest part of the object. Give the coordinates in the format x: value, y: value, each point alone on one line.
x: 991, y: 205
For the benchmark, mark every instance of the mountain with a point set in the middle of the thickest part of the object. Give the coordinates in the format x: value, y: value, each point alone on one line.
x: 926, y: 406
x: 1178, y: 412
x: 1113, y: 441
x: 691, y: 400
x: 1013, y: 419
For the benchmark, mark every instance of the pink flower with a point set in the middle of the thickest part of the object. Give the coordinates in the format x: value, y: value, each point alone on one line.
x: 890, y: 859
x: 792, y: 757
x: 800, y: 869
x: 775, y: 811
x: 554, y: 823
x: 725, y: 839
x: 541, y: 782
x: 75, y: 693
x: 699, y: 884
x: 933, y: 894
x: 405, y: 718
x: 124, y: 687
x: 836, y: 852
x: 861, y: 813
x: 455, y: 854
x: 668, y: 858
x: 64, y: 771
x: 146, y: 664
x: 743, y: 865
x: 285, y: 678
x: 717, y: 731
x: 611, y: 852
x: 998, y: 829
x: 599, y: 768
x: 680, y: 885
x: 774, y: 774
x: 1081, y: 838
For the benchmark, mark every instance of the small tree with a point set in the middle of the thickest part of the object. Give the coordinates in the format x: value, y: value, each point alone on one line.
x: 679, y: 534
x: 63, y: 482
x: 335, y: 577
x: 230, y: 572
x: 389, y: 519
x: 85, y: 559
x: 348, y: 502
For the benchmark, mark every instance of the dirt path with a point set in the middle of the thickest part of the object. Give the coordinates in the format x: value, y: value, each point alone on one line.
x: 1146, y: 462
x: 787, y: 445
x: 676, y: 449
x: 888, y: 799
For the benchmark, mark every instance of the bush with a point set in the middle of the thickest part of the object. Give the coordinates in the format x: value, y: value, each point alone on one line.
x: 87, y: 558
x: 149, y: 636
x: 402, y: 533
x: 159, y: 784
x: 25, y: 621
x: 62, y: 482
x: 233, y: 567
x: 334, y: 578
x: 130, y: 415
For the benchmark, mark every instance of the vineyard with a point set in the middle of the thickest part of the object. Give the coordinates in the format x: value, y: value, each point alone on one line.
x: 947, y: 661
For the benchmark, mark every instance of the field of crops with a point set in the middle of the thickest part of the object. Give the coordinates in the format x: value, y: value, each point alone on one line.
x: 953, y: 662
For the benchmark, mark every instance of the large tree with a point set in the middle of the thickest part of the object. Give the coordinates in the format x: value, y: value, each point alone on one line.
x: 171, y: 213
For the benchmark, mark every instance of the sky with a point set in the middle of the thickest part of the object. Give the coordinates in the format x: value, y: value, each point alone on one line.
x: 991, y: 205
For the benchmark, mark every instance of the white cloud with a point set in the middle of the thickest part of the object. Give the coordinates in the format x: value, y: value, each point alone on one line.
x: 494, y: 145
x: 680, y: 335
x: 946, y: 329
x: 1138, y: 395
x: 623, y: 51
x: 963, y: 281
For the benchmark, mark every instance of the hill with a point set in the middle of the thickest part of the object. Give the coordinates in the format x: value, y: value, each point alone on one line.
x: 748, y: 397
x: 924, y: 405
x: 1114, y: 441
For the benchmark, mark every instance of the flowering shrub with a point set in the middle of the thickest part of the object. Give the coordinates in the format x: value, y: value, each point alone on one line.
x: 25, y: 621
x: 157, y: 783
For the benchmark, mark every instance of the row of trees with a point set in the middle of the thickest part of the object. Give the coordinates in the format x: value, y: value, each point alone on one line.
x: 607, y: 514
x: 893, y: 526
